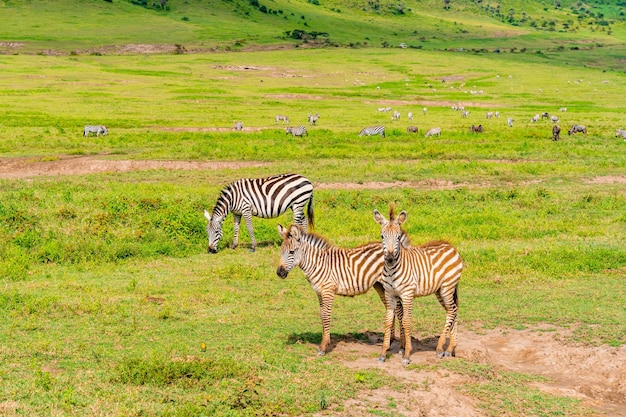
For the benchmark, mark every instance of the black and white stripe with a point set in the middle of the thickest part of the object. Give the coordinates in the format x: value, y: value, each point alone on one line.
x: 416, y: 271
x: 266, y: 198
x: 331, y: 270
x: 373, y: 130
x: 98, y: 130
x: 297, y: 130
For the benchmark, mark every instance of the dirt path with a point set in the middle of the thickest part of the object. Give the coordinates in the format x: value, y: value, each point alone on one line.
x: 596, y: 375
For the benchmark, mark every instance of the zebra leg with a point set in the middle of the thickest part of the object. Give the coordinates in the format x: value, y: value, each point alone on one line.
x: 381, y: 293
x: 237, y: 219
x: 298, y: 216
x: 391, y: 307
x: 326, y: 307
x: 247, y: 216
x: 407, y: 306
x: 449, y: 304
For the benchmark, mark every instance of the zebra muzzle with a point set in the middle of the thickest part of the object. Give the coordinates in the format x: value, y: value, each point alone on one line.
x: 282, y: 272
x: 212, y: 250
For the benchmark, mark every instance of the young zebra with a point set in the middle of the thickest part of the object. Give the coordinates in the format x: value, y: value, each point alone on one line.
x: 296, y: 131
x: 416, y: 271
x: 331, y: 270
x: 434, y: 131
x: 282, y: 118
x: 98, y: 130
x: 266, y: 198
x: 313, y: 118
x: 373, y: 130
x: 577, y: 129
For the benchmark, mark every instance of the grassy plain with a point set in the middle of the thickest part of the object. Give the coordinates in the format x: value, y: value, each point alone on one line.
x: 111, y: 306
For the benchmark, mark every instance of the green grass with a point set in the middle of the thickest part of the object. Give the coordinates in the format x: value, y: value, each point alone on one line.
x: 108, y: 295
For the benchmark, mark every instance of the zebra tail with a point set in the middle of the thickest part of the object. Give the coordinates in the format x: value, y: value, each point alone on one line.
x: 456, y: 296
x: 309, y: 213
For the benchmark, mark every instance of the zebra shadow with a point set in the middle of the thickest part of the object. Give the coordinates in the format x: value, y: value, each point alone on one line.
x: 427, y: 344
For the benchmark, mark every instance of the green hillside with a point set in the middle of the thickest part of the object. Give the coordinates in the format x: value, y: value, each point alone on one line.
x: 105, y: 27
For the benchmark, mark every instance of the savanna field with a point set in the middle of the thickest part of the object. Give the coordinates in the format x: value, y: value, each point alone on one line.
x: 110, y: 304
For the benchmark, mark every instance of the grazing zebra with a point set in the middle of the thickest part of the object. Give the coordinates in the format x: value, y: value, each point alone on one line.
x: 563, y: 109
x: 489, y: 114
x: 266, y: 198
x: 577, y: 129
x: 373, y: 130
x: 534, y: 119
x: 331, y: 270
x: 476, y: 129
x: 510, y: 121
x: 395, y: 115
x: 98, y: 130
x: 464, y: 113
x: 296, y: 131
x: 556, y: 132
x: 409, y: 116
x: 554, y: 119
x: 424, y: 110
x: 434, y: 131
x: 620, y: 132
x: 411, y: 129
x: 416, y: 271
x: 545, y: 115
x: 313, y: 118
x: 497, y: 114
x: 238, y: 126
x: 284, y: 119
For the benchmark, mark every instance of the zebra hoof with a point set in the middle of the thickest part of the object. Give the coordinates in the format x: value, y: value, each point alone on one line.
x: 252, y: 249
x: 401, y: 352
x: 381, y: 359
x: 406, y: 361
x: 446, y: 354
x: 439, y: 355
x: 320, y: 353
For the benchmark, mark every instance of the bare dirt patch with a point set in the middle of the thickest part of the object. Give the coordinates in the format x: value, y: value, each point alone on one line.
x: 608, y: 179
x: 427, y: 185
x: 596, y: 375
x: 16, y: 168
x: 444, y: 103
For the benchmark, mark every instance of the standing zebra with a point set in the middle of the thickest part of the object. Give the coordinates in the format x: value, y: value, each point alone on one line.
x: 395, y: 115
x: 620, y: 132
x: 98, y: 130
x: 266, y: 198
x: 556, y: 132
x: 409, y: 116
x: 554, y: 119
x: 296, y: 131
x: 510, y: 121
x: 412, y: 129
x: 416, y: 271
x: 434, y: 131
x: 373, y: 130
x: 331, y: 270
x: 577, y: 129
x: 238, y: 126
x: 282, y: 118
x: 313, y: 118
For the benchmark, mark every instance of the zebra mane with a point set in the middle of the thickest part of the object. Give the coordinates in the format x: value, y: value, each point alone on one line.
x: 434, y: 243
x: 392, y: 214
x: 321, y: 243
x: 222, y: 206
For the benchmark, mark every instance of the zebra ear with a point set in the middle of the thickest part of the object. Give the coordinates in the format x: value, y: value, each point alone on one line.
x: 282, y: 231
x: 379, y: 218
x: 401, y: 217
x: 207, y: 215
x: 295, y: 232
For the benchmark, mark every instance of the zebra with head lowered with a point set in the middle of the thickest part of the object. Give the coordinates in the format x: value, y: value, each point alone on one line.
x: 620, y: 132
x: 577, y: 129
x: 313, y: 118
x: 434, y: 131
x: 556, y: 132
x: 331, y: 270
x: 416, y: 271
x: 238, y: 126
x: 296, y: 131
x: 266, y: 198
x: 373, y: 130
x: 98, y: 130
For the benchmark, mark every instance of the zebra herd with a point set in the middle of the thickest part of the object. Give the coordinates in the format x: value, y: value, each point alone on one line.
x: 397, y: 271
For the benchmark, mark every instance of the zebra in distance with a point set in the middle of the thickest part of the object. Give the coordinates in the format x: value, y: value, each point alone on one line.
x: 395, y: 115
x: 510, y: 121
x: 489, y: 114
x: 416, y: 271
x: 577, y: 129
x: 554, y: 119
x: 409, y: 116
x: 98, y: 130
x: 373, y: 130
x: 296, y: 131
x: 282, y: 118
x: 464, y: 113
x: 238, y: 126
x: 411, y: 129
x: 534, y: 119
x: 313, y: 118
x: 331, y: 270
x: 476, y: 129
x: 620, y: 132
x: 556, y: 132
x: 266, y: 198
x: 434, y: 131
